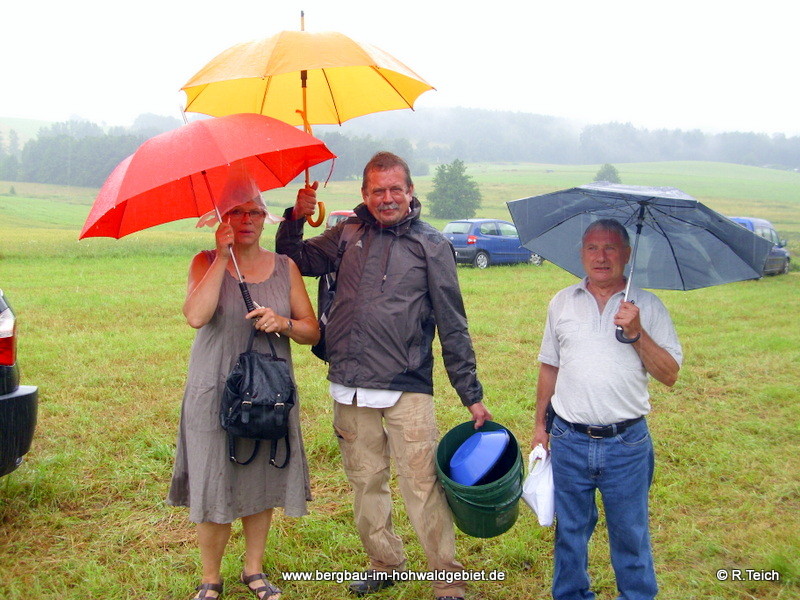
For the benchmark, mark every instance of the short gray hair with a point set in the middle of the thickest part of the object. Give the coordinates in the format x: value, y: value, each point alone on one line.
x: 383, y: 161
x: 610, y: 225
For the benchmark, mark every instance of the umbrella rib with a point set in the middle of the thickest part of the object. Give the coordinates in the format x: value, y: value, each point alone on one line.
x: 583, y: 212
x: 271, y: 171
x: 706, y: 229
x: 194, y: 196
x: 266, y: 91
x: 675, y: 217
x: 659, y: 227
x: 391, y: 85
x: 333, y: 98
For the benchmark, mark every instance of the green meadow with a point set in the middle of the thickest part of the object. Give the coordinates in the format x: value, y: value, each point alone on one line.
x: 102, y: 335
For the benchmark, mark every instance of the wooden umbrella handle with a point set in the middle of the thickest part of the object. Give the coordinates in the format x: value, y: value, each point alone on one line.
x: 321, y: 215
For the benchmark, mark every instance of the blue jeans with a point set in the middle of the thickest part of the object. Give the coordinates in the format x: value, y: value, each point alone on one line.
x: 621, y: 468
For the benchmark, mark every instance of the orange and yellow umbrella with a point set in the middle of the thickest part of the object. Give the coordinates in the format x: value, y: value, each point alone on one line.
x: 303, y: 78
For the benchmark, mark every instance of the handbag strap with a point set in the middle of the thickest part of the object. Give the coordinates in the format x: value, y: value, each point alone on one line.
x: 273, y: 452
x: 253, y: 334
x: 232, y: 451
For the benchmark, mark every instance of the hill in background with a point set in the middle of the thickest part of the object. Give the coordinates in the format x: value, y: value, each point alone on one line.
x: 426, y: 138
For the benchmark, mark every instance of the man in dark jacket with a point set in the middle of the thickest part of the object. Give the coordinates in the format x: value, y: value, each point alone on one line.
x: 396, y: 285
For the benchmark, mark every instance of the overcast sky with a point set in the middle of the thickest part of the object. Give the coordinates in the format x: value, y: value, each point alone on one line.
x: 708, y: 64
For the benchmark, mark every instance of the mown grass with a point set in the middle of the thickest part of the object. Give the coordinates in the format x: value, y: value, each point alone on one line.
x: 102, y: 336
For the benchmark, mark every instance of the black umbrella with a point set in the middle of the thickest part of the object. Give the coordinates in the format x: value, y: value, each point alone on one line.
x: 679, y: 243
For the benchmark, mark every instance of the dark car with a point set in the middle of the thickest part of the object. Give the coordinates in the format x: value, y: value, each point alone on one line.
x: 18, y: 403
x: 484, y: 242
x: 778, y: 259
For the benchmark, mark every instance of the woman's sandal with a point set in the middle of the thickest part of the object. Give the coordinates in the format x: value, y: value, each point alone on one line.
x: 204, y: 588
x: 263, y: 592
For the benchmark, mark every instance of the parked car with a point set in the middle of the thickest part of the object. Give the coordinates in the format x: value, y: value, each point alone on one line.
x: 18, y: 403
x: 336, y: 216
x: 778, y: 259
x: 483, y: 242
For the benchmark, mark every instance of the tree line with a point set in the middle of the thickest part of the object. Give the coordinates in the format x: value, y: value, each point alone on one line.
x: 82, y: 153
x: 79, y: 153
x: 477, y: 135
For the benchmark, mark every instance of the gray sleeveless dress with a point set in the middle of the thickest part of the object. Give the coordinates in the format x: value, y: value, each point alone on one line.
x: 203, y: 478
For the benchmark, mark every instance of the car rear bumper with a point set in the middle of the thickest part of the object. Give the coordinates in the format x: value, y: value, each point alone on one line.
x: 466, y: 255
x: 17, y: 423
x: 776, y: 263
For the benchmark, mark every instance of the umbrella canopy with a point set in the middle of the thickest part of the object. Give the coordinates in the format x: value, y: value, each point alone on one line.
x: 180, y: 173
x: 325, y: 77
x: 682, y: 245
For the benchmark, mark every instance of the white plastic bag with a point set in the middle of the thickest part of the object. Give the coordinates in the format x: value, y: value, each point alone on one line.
x: 537, y: 489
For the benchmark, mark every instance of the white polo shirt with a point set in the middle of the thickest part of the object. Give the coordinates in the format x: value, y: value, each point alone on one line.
x: 600, y: 380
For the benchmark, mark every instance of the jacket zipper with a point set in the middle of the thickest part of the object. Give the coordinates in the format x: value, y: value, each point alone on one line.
x: 386, y: 261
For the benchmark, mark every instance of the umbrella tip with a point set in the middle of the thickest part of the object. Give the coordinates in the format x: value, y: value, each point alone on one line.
x: 302, y: 20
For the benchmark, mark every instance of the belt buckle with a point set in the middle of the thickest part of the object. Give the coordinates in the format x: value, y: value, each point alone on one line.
x: 589, y: 429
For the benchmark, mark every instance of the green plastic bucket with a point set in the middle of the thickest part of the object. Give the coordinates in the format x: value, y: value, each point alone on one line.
x: 491, y: 507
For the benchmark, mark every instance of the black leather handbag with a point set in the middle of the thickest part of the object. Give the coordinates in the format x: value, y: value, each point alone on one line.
x: 259, y: 394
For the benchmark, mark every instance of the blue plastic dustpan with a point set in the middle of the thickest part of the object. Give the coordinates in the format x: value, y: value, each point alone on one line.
x: 477, y: 455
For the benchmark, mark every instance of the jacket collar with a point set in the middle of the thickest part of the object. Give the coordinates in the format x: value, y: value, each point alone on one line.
x: 362, y: 212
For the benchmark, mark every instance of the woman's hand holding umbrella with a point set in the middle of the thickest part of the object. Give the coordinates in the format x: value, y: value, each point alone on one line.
x: 268, y: 321
x: 225, y: 239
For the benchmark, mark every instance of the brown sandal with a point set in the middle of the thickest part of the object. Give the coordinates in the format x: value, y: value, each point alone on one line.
x: 263, y: 592
x: 204, y: 588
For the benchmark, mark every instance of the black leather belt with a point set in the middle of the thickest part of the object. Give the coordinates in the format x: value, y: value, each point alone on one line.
x: 603, y: 431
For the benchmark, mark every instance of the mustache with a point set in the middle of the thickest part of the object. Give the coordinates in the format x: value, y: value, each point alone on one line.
x: 390, y: 206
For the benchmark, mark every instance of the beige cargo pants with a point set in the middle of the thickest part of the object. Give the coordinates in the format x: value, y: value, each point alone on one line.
x: 407, y: 432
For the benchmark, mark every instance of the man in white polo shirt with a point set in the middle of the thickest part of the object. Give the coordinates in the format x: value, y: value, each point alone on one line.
x: 597, y: 389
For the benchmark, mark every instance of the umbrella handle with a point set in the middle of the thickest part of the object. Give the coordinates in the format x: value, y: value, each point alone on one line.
x: 621, y: 336
x: 318, y: 221
x: 248, y: 301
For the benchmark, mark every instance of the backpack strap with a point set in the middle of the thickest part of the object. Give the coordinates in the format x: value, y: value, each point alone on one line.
x: 351, y: 225
x: 274, y: 451
x: 232, y: 451
x: 348, y: 231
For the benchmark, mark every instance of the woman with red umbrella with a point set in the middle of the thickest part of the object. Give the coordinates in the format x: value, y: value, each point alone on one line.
x: 216, y: 490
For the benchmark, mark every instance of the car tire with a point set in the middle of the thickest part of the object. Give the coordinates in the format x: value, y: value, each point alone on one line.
x: 785, y: 269
x: 535, y: 259
x: 481, y: 260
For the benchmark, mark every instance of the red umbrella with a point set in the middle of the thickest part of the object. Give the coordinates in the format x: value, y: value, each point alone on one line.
x: 180, y: 173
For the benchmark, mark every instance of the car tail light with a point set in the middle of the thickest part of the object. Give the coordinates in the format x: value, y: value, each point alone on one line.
x: 8, y: 339
x: 471, y: 239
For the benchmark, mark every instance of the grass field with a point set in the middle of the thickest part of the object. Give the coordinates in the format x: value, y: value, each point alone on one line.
x: 102, y: 335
